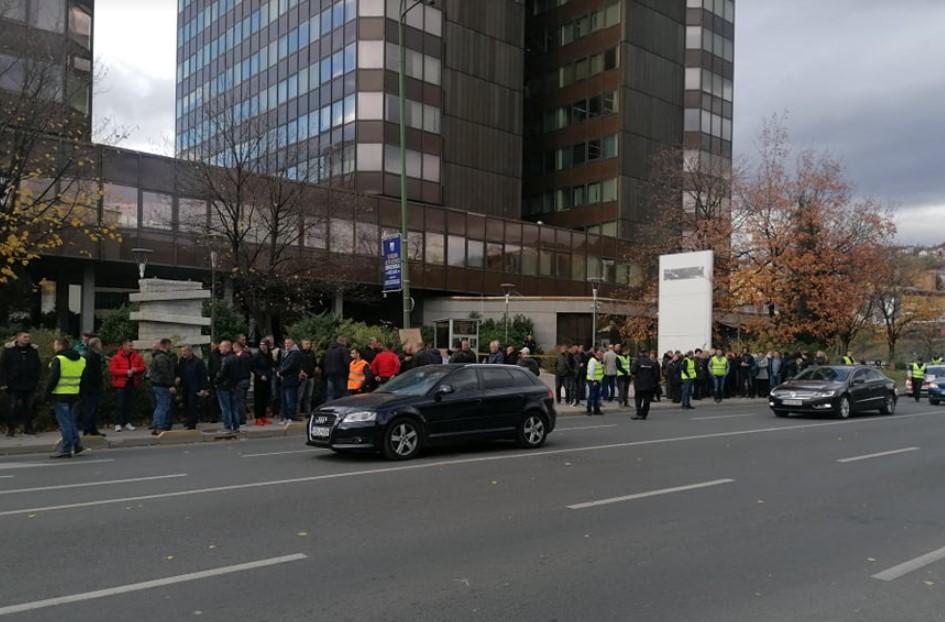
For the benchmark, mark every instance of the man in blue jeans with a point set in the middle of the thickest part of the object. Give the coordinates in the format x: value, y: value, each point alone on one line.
x: 289, y: 376
x: 162, y: 373
x: 225, y: 383
x: 63, y: 387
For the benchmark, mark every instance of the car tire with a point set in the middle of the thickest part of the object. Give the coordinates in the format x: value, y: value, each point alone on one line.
x: 846, y: 409
x: 403, y: 439
x: 532, y: 431
x: 780, y: 413
x: 889, y: 405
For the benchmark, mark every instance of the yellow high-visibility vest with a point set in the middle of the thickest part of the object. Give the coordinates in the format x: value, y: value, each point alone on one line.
x: 689, y: 369
x: 70, y: 375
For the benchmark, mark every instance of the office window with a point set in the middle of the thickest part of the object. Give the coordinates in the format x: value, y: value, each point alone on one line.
x: 121, y: 206
x: 594, y: 192
x: 15, y: 10
x: 431, y: 69
x: 456, y: 251
x: 691, y: 121
x: 48, y: 14
x: 610, y: 59
x: 368, y: 240
x: 433, y: 21
x: 431, y: 167
x: 370, y: 105
x: 157, y: 210
x: 371, y: 8
x: 609, y: 146
x: 578, y: 196
x: 370, y: 157
x: 435, y: 251
x: 609, y: 190
x: 80, y: 26
x: 693, y: 37
x: 546, y: 264
x: 371, y: 54
x: 314, y: 232
x: 191, y: 216
x: 342, y: 236
x: 415, y: 245
x: 475, y: 254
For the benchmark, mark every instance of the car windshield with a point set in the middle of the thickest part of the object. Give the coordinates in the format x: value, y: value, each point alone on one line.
x: 416, y: 381
x: 830, y: 374
x: 937, y: 371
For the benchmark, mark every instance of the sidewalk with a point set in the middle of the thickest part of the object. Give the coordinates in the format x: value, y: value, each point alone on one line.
x: 45, y: 442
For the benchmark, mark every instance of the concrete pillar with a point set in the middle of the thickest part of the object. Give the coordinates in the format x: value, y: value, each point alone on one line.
x: 62, y: 304
x: 87, y: 313
x: 338, y: 304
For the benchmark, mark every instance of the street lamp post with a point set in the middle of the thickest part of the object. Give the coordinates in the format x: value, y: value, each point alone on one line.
x: 595, y: 286
x: 507, y: 288
x: 404, y: 262
x: 141, y: 256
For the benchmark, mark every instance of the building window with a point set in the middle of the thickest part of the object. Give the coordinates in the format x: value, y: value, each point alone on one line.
x: 191, y: 216
x: 370, y: 157
x: 475, y: 254
x: 368, y: 240
x: 48, y: 14
x: 456, y: 251
x: 157, y: 210
x: 314, y: 234
x: 121, y: 206
x: 371, y: 54
x: 342, y: 236
x: 80, y: 26
x: 693, y: 37
x: 15, y: 10
x: 435, y: 251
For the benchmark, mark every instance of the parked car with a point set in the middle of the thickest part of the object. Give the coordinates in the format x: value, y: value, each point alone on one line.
x: 438, y: 404
x: 835, y: 389
x: 934, y: 385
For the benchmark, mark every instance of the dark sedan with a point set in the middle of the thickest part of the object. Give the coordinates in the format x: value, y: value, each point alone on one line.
x: 438, y: 404
x: 839, y: 390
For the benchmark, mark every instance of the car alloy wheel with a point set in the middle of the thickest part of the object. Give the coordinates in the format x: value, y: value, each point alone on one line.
x: 844, y: 407
x: 532, y: 431
x: 889, y: 405
x: 403, y: 440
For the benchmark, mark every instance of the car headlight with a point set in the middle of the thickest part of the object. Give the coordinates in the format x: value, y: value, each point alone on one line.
x: 825, y: 393
x: 362, y: 416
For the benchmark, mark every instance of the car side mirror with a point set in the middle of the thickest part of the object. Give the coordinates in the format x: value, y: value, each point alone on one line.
x: 443, y: 389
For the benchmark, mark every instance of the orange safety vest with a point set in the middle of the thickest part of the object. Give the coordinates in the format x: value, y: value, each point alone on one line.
x: 356, y: 374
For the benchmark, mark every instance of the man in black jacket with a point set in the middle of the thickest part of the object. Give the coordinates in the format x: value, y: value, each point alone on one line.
x: 290, y: 375
x: 427, y: 356
x: 564, y: 372
x: 307, y: 366
x: 579, y: 383
x: 337, y: 360
x: 464, y: 354
x: 646, y: 377
x: 93, y: 387
x: 194, y: 384
x: 63, y: 389
x: 225, y: 383
x: 19, y: 373
x: 162, y: 373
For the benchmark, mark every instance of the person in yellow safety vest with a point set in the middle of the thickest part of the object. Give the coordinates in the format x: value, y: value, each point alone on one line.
x: 63, y: 388
x: 848, y: 359
x: 623, y: 379
x: 595, y: 378
x: 688, y: 376
x: 938, y: 360
x: 917, y: 378
x: 358, y: 370
x: 718, y: 369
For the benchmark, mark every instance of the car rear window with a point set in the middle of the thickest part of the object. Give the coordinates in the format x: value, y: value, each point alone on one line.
x: 523, y: 377
x: 497, y: 378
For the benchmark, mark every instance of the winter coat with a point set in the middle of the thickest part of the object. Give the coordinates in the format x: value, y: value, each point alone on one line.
x: 463, y: 357
x: 290, y: 368
x: 262, y: 366
x: 496, y: 358
x: 646, y: 373
x: 19, y: 367
x: 93, y: 380
x: 610, y: 363
x: 244, y: 366
x: 530, y: 364
x: 385, y: 364
x: 564, y: 365
x: 162, y: 371
x: 430, y: 356
x: 193, y: 374
x: 337, y: 361
x: 119, y: 365
x: 225, y: 379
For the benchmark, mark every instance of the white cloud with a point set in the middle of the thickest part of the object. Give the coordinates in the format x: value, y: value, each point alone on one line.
x: 921, y: 225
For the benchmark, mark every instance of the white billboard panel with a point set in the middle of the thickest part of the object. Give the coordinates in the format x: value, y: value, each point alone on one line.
x: 685, y: 301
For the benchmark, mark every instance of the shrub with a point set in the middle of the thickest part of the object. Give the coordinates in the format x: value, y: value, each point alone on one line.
x: 117, y: 325
x: 494, y: 330
x: 227, y: 321
x: 323, y: 329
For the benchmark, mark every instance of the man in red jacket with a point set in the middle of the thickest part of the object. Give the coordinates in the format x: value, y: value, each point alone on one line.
x: 126, y: 369
x: 385, y: 365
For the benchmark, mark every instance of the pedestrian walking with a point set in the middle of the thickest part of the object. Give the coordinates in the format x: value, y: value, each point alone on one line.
x: 162, y: 375
x: 63, y: 389
x: 496, y: 355
x: 564, y: 372
x: 290, y: 378
x: 646, y: 378
x: 194, y: 383
x: 386, y: 365
x: 526, y: 361
x: 609, y: 388
x: 719, y: 370
x: 262, y: 382
x: 92, y: 391
x: 126, y: 369
x: 464, y: 355
x: 225, y: 383
x: 335, y: 366
x: 307, y: 365
x: 595, y: 379
x: 688, y: 377
x: 917, y: 378
x: 19, y: 374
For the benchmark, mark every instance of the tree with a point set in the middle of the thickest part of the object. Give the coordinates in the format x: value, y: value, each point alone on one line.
x: 808, y: 250
x: 900, y: 306
x: 48, y: 186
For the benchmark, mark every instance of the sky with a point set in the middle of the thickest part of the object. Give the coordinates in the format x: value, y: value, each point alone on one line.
x: 863, y: 80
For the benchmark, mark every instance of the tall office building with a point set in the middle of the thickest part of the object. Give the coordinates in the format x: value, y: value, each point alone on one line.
x: 46, y: 48
x: 611, y: 83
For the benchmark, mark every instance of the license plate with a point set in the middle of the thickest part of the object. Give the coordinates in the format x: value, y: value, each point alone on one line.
x: 792, y: 402
x: 321, y: 431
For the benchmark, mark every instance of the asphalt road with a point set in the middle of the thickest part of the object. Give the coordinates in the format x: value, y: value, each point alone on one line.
x: 724, y: 513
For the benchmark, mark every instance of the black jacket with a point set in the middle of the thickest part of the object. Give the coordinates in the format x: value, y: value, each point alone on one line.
x: 463, y: 357
x: 262, y: 366
x: 564, y: 364
x: 93, y: 380
x: 53, y: 379
x: 337, y: 359
x: 193, y: 374
x: 530, y: 364
x: 646, y: 373
x: 225, y: 378
x: 291, y: 365
x: 162, y: 371
x: 19, y: 367
x: 244, y: 366
x: 430, y: 356
x: 307, y: 358
x: 496, y: 358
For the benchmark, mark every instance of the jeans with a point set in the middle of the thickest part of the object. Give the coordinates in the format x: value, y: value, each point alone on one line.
x: 718, y: 387
x: 123, y: 403
x: 306, y: 393
x: 20, y: 410
x: 623, y: 386
x: 593, y: 399
x: 335, y: 387
x: 88, y: 407
x: 609, y: 388
x: 161, y: 419
x: 227, y: 400
x: 290, y: 402
x: 239, y: 399
x: 775, y: 379
x: 686, y: 393
x: 641, y: 400
x: 66, y: 413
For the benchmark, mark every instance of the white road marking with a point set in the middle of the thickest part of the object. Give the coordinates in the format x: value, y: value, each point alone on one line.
x: 87, y: 484
x: 891, y: 574
x: 63, y: 462
x: 460, y: 461
x: 651, y: 493
x: 723, y: 417
x: 149, y: 585
x: 6, y: 476
x: 878, y: 455
x: 586, y: 427
x: 281, y: 453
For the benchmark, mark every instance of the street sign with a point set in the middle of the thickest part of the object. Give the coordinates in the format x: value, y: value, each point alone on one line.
x: 393, y: 279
